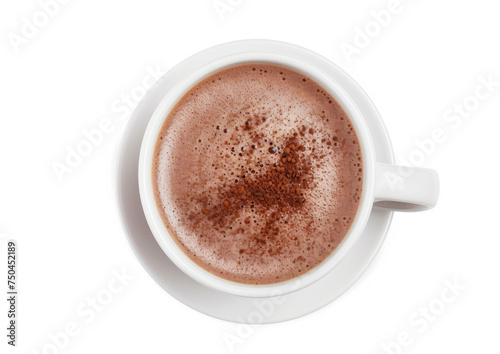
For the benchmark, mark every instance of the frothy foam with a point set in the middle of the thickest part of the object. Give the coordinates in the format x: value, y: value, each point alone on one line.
x: 258, y: 173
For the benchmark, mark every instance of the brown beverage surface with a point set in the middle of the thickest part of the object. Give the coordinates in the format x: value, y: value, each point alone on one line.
x: 257, y: 173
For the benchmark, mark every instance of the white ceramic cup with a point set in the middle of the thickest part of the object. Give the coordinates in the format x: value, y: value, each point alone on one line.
x: 387, y: 186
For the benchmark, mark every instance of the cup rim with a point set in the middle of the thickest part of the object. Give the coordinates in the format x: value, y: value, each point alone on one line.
x: 161, y: 232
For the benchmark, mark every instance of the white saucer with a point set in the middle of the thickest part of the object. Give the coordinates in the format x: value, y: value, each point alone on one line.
x: 211, y: 302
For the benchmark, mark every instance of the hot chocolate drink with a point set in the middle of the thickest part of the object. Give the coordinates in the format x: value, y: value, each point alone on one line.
x: 257, y: 173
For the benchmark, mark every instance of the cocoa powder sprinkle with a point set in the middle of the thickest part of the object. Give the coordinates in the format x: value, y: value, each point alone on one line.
x: 275, y: 192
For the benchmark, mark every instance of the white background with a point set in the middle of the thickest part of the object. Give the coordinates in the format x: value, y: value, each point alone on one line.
x: 428, y: 57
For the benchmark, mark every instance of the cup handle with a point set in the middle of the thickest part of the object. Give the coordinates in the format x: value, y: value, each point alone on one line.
x: 403, y: 188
